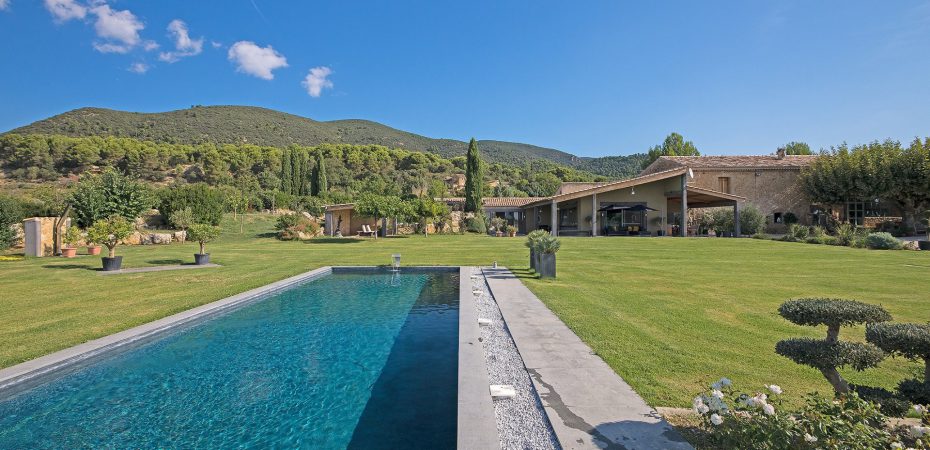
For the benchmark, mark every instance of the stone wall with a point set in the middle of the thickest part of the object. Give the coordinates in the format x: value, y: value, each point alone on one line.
x: 770, y: 190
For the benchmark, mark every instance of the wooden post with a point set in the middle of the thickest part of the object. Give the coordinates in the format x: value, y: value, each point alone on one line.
x: 684, y: 206
x: 594, y: 214
x: 554, y: 225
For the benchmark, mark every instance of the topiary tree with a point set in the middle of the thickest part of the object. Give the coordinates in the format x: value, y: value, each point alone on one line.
x: 912, y: 341
x: 827, y: 355
x: 203, y: 233
x: 110, y: 232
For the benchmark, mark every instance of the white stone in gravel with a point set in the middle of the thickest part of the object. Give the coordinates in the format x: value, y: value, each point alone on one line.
x: 501, y: 391
x: 484, y: 322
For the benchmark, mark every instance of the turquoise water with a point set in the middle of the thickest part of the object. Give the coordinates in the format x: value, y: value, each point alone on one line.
x: 349, y: 360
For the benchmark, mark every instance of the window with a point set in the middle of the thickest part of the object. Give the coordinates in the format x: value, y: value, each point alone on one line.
x: 855, y: 211
x: 777, y: 218
x: 724, y: 184
x: 568, y: 216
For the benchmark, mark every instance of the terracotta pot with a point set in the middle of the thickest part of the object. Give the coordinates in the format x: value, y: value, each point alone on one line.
x: 93, y: 250
x: 69, y: 252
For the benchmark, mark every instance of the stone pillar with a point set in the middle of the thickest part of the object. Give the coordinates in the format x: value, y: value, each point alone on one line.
x: 328, y: 220
x: 554, y: 226
x: 594, y: 214
x: 684, y: 206
x: 736, y: 219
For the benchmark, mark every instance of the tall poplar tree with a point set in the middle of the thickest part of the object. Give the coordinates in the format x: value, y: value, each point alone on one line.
x: 286, y: 172
x: 474, y: 182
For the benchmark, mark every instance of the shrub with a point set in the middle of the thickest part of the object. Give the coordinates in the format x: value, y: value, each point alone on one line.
x: 206, y: 203
x: 107, y: 195
x: 845, y: 234
x: 760, y: 236
x: 511, y: 229
x: 751, y: 220
x: 758, y: 420
x: 796, y: 233
x: 911, y: 341
x: 110, y: 232
x: 829, y: 354
x: 476, y: 225
x: 291, y: 226
x: 889, y: 403
x: 203, y: 233
x: 882, y: 241
x: 789, y: 218
x: 182, y: 218
x: 72, y: 236
x: 11, y: 213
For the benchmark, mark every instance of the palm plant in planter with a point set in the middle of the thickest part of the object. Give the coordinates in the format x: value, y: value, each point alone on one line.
x: 202, y: 233
x: 110, y: 232
x: 531, y: 239
x: 546, y: 247
x: 71, y: 237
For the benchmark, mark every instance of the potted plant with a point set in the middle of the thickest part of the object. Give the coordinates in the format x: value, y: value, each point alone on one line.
x: 531, y: 239
x: 71, y: 237
x: 546, y: 247
x: 202, y: 233
x: 92, y: 248
x: 498, y: 224
x: 110, y: 232
x: 511, y: 231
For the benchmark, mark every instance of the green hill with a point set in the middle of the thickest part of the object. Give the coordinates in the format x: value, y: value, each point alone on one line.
x: 260, y: 126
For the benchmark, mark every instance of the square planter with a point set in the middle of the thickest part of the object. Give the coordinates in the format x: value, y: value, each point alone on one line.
x: 533, y: 259
x: 545, y: 266
x: 923, y: 245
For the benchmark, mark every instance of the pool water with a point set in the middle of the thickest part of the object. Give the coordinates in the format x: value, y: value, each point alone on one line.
x: 345, y: 361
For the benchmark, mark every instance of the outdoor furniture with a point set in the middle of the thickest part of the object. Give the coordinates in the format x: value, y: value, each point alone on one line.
x: 366, y: 230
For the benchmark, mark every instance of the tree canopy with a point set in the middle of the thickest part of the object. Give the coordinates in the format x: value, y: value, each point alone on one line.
x: 474, y: 178
x: 674, y: 145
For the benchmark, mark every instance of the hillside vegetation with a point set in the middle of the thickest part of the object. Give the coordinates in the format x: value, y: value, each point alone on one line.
x: 265, y: 127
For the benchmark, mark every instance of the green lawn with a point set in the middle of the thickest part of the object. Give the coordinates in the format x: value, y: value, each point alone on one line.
x: 669, y: 315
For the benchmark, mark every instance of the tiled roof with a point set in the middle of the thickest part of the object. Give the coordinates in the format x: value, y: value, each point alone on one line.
x: 568, y: 187
x: 496, y: 202
x: 741, y: 162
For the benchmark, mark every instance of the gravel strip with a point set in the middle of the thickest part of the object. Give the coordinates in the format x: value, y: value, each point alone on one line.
x: 521, y: 421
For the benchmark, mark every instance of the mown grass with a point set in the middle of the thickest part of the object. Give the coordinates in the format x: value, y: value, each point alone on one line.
x: 669, y: 315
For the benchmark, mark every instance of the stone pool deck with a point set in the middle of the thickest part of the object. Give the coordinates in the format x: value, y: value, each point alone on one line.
x: 160, y: 268
x: 588, y: 404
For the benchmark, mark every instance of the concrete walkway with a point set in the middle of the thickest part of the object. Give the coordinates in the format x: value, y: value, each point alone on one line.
x: 588, y: 404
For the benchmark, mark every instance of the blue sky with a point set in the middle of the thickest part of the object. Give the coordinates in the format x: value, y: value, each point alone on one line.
x: 592, y: 78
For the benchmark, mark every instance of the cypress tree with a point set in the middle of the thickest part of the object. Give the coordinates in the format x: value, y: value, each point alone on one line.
x: 295, y: 172
x: 304, y: 173
x: 474, y: 183
x: 320, y: 183
x: 286, y: 172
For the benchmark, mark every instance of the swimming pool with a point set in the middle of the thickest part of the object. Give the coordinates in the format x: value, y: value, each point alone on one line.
x: 349, y: 360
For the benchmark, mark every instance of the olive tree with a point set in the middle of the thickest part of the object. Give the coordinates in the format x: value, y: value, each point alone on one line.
x: 912, y: 341
x: 827, y: 355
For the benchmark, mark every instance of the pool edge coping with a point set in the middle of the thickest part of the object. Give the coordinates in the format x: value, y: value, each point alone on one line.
x: 476, y: 423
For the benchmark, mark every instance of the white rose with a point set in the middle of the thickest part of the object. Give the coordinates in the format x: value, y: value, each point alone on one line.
x: 703, y: 409
x: 717, y: 393
x: 768, y: 409
x: 809, y: 438
x: 775, y: 389
x: 920, y: 409
x: 897, y: 446
x: 716, y: 419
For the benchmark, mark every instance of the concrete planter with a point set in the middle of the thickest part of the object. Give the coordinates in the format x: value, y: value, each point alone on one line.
x: 111, y: 264
x: 201, y: 259
x: 545, y: 265
x: 923, y: 245
x: 533, y: 259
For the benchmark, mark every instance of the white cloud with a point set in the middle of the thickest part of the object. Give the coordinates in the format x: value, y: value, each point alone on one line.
x: 4, y: 4
x: 138, y: 68
x: 150, y: 45
x: 183, y: 44
x: 216, y: 44
x: 256, y: 61
x: 64, y: 10
x: 119, y: 28
x: 316, y: 81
